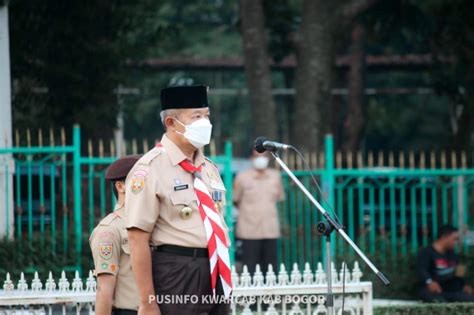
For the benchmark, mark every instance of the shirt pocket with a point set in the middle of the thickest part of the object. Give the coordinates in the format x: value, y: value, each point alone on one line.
x: 184, y: 212
x: 251, y: 193
x: 125, y: 256
x: 125, y: 272
x: 125, y: 247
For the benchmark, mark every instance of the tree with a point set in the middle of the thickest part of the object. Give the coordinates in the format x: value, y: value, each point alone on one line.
x: 314, y: 46
x: 67, y: 50
x: 452, y: 45
x: 68, y: 57
x: 355, y: 118
x: 442, y: 30
x: 313, y: 78
x: 257, y: 70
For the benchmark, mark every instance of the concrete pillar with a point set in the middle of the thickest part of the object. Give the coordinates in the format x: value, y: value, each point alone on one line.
x: 6, y: 162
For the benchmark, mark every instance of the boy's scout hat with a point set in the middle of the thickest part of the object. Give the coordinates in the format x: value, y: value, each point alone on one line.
x: 119, y: 169
x: 177, y: 97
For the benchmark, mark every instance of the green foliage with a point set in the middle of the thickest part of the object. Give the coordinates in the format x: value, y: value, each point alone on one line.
x: 396, y: 27
x: 282, y: 20
x: 427, y: 309
x: 396, y: 122
x: 445, y: 30
x: 68, y: 57
x: 400, y: 270
x: 183, y: 28
x: 24, y: 256
x: 66, y: 47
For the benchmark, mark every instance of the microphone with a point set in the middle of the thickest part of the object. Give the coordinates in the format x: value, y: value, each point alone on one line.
x: 262, y: 145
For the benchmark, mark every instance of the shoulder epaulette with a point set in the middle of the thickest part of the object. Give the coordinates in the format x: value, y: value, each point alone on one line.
x: 210, y: 161
x: 108, y: 219
x: 149, y: 156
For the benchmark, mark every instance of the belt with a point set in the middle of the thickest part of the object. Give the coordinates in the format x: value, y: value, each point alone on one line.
x: 121, y: 311
x: 181, y: 251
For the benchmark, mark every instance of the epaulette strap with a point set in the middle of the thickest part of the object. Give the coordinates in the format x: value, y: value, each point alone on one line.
x: 210, y: 161
x: 108, y: 219
x: 149, y: 156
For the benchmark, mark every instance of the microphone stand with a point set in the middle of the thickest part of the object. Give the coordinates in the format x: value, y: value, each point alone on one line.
x: 326, y: 228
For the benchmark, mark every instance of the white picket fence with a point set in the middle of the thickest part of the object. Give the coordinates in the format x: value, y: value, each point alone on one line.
x: 295, y: 292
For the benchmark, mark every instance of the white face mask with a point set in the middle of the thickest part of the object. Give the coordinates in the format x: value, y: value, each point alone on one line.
x: 260, y: 162
x: 198, y: 133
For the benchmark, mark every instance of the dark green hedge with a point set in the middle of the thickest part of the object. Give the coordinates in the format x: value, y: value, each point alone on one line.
x: 427, y: 309
x: 24, y: 256
x: 401, y: 272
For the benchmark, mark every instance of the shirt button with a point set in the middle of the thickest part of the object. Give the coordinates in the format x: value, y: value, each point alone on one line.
x: 186, y: 213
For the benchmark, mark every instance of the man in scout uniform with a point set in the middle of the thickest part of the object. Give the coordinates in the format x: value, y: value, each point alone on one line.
x: 256, y: 193
x: 116, y: 290
x: 178, y: 238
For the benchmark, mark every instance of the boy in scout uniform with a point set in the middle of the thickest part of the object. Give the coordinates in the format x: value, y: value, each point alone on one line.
x: 174, y: 198
x: 116, y: 290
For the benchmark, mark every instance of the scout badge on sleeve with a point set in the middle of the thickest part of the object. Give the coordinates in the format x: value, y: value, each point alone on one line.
x: 138, y: 181
x: 105, y: 250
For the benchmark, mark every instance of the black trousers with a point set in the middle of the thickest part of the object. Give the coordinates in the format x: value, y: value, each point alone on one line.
x: 183, y: 286
x: 262, y: 252
x: 120, y: 311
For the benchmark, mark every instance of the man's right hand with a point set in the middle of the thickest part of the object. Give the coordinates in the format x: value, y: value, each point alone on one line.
x: 141, y: 266
x: 149, y: 309
x: 434, y: 287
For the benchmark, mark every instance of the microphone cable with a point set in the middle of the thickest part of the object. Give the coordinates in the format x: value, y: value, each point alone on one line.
x: 313, y: 178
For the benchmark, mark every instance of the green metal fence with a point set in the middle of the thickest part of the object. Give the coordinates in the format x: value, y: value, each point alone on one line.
x: 60, y: 195
x: 388, y: 211
x: 42, y: 195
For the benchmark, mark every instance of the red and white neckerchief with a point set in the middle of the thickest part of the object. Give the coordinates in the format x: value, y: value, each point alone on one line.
x: 216, y: 239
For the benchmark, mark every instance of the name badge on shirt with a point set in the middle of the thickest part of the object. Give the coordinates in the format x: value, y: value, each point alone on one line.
x: 181, y: 187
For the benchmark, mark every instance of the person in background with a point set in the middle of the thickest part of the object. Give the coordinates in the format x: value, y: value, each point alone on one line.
x: 256, y: 194
x: 116, y: 289
x: 440, y: 274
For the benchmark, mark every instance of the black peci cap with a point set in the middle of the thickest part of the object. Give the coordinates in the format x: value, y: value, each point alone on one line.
x: 178, y: 97
x: 119, y: 169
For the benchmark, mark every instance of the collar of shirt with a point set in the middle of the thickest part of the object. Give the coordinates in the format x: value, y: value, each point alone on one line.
x: 119, y: 210
x: 257, y: 174
x: 176, y: 155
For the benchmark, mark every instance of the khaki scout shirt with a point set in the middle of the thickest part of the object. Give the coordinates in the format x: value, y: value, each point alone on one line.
x: 256, y: 195
x: 159, y: 191
x: 111, y: 252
